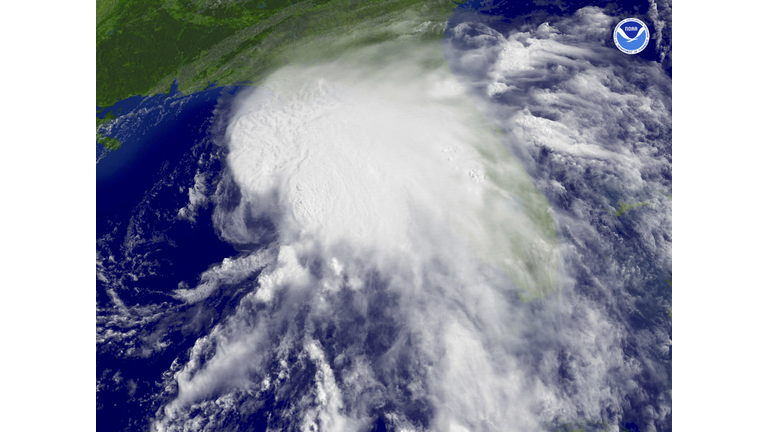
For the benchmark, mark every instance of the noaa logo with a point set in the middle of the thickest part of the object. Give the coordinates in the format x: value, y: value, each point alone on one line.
x: 631, y: 36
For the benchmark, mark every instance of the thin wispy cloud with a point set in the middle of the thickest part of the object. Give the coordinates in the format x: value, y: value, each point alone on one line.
x: 436, y: 246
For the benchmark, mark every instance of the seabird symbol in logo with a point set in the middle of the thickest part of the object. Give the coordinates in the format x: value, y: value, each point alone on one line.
x: 631, y: 36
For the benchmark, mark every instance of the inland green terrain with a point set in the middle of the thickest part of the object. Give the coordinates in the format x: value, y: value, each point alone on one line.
x: 143, y: 46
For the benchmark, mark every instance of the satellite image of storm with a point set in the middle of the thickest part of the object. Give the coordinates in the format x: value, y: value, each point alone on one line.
x: 383, y: 215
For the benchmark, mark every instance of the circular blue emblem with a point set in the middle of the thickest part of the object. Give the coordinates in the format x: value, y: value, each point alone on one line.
x: 631, y: 36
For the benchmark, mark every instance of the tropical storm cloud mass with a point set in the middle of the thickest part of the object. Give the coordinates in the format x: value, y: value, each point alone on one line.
x: 470, y: 234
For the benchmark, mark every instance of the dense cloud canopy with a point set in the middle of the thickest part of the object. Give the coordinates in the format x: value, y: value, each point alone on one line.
x: 466, y: 236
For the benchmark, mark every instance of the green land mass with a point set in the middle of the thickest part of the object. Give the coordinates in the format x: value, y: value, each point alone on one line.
x: 669, y: 312
x: 108, y: 142
x: 143, y: 46
x: 624, y: 207
x: 583, y: 426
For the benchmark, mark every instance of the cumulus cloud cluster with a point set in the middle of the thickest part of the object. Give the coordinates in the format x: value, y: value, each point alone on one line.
x: 593, y: 127
x: 414, y: 274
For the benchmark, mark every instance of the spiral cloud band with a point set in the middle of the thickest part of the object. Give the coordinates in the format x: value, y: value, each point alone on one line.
x: 413, y: 273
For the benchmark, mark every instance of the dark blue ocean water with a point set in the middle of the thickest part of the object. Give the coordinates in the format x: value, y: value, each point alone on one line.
x: 139, y: 190
x: 141, y: 187
x: 151, y: 173
x: 635, y: 304
x: 510, y: 14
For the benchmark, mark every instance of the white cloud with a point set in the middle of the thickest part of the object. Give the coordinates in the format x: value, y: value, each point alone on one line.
x: 230, y: 271
x: 407, y: 235
x: 197, y: 197
x: 594, y: 126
